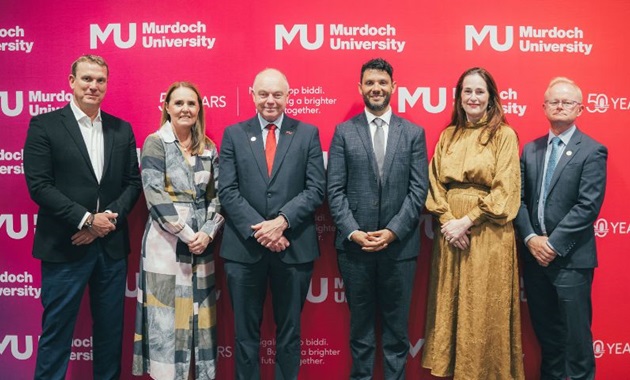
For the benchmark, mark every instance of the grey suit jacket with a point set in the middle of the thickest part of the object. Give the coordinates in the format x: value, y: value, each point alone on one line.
x: 249, y: 196
x: 62, y: 182
x: 575, y: 197
x: 360, y: 200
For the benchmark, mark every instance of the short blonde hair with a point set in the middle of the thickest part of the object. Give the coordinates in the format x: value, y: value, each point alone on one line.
x: 90, y: 58
x: 565, y: 80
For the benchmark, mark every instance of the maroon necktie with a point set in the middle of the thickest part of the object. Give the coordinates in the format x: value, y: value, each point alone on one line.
x: 270, y: 147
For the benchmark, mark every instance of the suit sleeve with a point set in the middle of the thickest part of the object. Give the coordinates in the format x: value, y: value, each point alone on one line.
x: 131, y: 182
x: 523, y: 222
x: 590, y: 198
x: 40, y: 176
x: 407, y: 217
x: 214, y: 219
x: 240, y: 212
x: 159, y: 202
x: 337, y: 186
x: 301, y: 207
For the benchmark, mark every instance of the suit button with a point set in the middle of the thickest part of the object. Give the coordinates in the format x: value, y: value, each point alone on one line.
x: 268, y: 195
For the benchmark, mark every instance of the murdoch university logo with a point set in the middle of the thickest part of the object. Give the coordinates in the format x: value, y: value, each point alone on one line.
x: 18, y: 103
x: 492, y: 33
x: 409, y: 97
x: 97, y: 34
x: 19, y: 350
x: 287, y: 36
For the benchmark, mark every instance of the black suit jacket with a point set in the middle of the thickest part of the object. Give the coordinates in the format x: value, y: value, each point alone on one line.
x: 62, y: 182
x: 576, y: 194
x: 249, y: 196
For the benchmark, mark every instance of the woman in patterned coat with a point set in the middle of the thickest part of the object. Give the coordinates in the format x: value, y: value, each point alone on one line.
x: 176, y: 310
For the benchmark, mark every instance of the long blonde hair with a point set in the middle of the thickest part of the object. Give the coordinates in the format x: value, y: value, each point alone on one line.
x: 199, y: 140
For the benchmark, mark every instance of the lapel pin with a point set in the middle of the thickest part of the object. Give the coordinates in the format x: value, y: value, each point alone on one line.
x: 569, y: 153
x: 253, y: 139
x: 288, y: 132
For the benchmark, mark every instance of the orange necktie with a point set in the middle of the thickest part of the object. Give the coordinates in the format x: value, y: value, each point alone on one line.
x: 270, y: 147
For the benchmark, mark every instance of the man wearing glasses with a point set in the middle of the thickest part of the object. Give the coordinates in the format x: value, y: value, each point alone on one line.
x: 564, y: 179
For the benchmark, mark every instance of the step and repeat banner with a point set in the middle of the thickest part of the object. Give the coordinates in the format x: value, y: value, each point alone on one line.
x: 320, y: 46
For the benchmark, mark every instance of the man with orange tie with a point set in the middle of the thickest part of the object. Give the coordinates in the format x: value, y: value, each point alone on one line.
x: 272, y: 180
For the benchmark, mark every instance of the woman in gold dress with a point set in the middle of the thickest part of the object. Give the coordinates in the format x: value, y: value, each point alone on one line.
x: 473, y: 317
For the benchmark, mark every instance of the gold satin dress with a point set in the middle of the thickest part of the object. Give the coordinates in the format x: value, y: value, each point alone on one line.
x: 473, y: 327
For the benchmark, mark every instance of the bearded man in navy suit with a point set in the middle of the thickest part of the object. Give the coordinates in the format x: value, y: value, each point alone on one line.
x: 377, y: 185
x: 563, y: 176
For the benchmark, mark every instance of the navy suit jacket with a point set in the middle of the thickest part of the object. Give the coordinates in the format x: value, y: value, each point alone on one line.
x: 62, y: 182
x: 249, y: 196
x: 360, y: 200
x: 576, y: 194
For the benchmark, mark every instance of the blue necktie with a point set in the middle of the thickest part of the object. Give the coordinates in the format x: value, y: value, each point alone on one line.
x: 553, y: 161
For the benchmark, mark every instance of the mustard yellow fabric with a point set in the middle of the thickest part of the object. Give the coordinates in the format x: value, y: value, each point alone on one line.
x: 473, y: 328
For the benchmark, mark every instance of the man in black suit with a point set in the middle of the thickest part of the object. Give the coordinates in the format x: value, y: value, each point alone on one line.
x: 81, y: 169
x: 377, y: 185
x: 272, y: 180
x: 564, y: 179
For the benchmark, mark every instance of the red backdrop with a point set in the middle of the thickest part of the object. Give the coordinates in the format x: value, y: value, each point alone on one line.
x: 320, y: 45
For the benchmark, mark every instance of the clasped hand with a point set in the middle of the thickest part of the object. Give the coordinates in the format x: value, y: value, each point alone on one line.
x: 269, y: 234
x: 101, y: 226
x: 199, y: 243
x: 541, y: 251
x: 456, y: 232
x: 373, y: 241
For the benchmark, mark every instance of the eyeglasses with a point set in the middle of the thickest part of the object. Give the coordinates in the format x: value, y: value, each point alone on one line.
x: 566, y: 104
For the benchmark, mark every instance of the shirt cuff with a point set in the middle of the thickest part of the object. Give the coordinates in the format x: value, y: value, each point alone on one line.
x: 285, y: 218
x: 350, y: 235
x: 529, y: 237
x: 83, y: 220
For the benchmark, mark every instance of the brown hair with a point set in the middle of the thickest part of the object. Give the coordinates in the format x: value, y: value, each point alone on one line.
x: 494, y: 113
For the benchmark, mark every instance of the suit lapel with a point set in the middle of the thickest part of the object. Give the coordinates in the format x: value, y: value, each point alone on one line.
x: 541, y: 148
x: 287, y: 131
x: 393, y: 136
x: 254, y: 136
x: 363, y: 130
x: 567, y: 155
x: 108, y: 140
x: 71, y: 125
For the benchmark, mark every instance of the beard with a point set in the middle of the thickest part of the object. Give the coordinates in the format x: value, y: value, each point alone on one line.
x: 377, y: 107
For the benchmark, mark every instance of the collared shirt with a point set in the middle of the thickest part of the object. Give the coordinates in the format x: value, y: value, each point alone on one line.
x: 564, y: 137
x: 263, y: 126
x: 92, y: 132
x: 386, y: 117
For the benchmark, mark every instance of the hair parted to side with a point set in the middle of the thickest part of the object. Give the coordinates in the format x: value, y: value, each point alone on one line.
x: 90, y: 58
x: 494, y: 114
x: 198, y: 134
x: 558, y: 80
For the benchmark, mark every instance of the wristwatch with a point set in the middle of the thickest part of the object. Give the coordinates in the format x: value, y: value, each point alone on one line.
x: 89, y: 221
